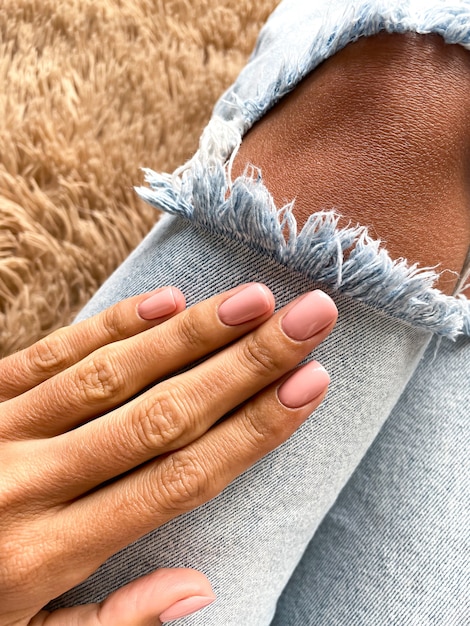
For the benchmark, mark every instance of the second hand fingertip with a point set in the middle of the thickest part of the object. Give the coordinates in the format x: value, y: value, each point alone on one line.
x: 186, y: 607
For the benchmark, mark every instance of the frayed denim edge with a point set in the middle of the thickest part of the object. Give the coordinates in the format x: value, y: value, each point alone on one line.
x: 345, y: 259
x: 295, y: 52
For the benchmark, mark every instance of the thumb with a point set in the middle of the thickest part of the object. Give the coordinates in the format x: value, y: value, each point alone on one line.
x: 161, y: 596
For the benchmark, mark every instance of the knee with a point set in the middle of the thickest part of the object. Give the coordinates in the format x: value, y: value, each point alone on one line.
x: 378, y: 132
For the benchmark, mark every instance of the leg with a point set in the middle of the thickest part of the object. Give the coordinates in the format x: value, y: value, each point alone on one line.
x: 250, y: 539
x: 380, y: 133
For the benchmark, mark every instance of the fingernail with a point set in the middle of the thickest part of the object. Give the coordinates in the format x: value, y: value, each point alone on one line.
x: 185, y: 607
x: 160, y: 304
x: 311, y: 314
x: 306, y: 384
x: 244, y: 306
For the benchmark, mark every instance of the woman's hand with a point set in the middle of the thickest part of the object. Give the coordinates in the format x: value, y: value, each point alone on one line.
x: 86, y: 468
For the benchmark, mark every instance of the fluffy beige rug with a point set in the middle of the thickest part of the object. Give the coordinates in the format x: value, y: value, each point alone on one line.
x: 91, y: 90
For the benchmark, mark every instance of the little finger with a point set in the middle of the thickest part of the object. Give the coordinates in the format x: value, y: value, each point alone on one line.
x: 66, y: 346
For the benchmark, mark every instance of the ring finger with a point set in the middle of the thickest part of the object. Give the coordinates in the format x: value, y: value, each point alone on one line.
x: 179, y: 482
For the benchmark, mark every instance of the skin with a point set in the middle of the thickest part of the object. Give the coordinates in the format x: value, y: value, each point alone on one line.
x: 70, y: 423
x: 379, y: 132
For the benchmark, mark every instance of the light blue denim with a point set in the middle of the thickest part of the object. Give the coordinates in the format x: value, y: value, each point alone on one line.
x: 278, y: 549
x: 395, y: 547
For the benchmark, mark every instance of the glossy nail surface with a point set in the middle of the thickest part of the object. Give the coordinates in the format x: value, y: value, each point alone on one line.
x: 246, y: 305
x: 306, y: 384
x: 312, y: 313
x: 185, y: 607
x: 158, y: 305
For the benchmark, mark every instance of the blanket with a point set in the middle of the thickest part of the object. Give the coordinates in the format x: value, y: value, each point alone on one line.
x: 92, y: 90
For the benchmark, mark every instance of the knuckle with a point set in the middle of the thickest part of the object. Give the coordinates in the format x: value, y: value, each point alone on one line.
x: 158, y: 423
x: 19, y: 576
x: 189, y: 331
x: 259, y: 358
x: 7, y: 380
x: 14, y: 572
x: 185, y: 483
x: 257, y: 432
x: 48, y: 355
x: 21, y: 562
x: 99, y: 378
x: 112, y: 322
x: 8, y: 498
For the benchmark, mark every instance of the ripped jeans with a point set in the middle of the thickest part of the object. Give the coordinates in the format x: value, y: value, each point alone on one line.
x: 361, y: 517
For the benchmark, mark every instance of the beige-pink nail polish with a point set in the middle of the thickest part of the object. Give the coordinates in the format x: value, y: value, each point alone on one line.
x: 158, y: 305
x: 311, y: 314
x: 185, y: 607
x: 304, y: 385
x: 246, y: 305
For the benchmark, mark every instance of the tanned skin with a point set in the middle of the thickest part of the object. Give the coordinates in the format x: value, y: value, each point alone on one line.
x: 380, y: 132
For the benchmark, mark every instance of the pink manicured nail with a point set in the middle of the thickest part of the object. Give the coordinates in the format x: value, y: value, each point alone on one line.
x: 244, y: 306
x: 160, y: 304
x: 311, y: 314
x: 306, y: 384
x: 185, y: 607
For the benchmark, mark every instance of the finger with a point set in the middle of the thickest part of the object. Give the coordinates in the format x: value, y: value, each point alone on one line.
x: 164, y: 595
x: 64, y: 347
x: 178, y: 482
x: 113, y: 374
x: 179, y: 410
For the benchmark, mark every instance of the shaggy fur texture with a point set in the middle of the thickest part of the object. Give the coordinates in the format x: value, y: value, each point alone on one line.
x: 91, y: 91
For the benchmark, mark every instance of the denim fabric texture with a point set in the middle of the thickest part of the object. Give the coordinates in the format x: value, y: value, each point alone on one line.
x: 275, y: 538
x: 395, y: 547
